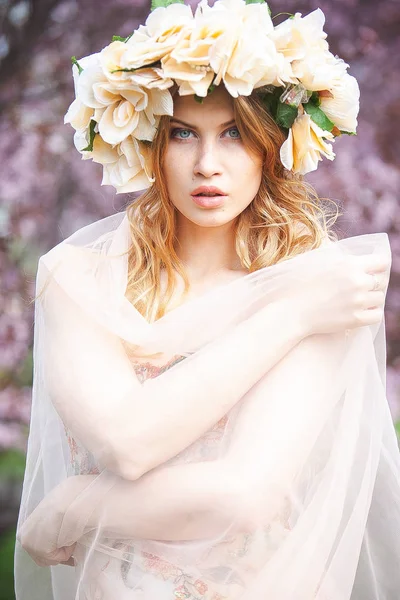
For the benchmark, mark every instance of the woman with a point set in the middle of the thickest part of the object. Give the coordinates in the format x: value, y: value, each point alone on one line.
x: 209, y: 418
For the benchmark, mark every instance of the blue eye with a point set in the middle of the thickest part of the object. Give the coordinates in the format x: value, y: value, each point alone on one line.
x: 236, y: 130
x: 176, y: 131
x: 184, y: 134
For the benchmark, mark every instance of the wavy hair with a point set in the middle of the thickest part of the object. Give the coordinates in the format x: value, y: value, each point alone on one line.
x: 285, y: 218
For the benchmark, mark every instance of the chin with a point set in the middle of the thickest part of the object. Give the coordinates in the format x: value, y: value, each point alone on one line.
x: 211, y: 220
x: 203, y: 217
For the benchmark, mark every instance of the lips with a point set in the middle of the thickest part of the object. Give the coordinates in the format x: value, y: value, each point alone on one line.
x: 208, y: 191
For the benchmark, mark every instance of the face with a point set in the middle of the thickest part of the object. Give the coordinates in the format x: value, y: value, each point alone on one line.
x: 205, y: 149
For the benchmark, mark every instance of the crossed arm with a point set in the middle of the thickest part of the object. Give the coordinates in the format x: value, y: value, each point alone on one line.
x: 278, y: 422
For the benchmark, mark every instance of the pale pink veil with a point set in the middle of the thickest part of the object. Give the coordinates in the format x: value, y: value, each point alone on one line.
x: 330, y: 531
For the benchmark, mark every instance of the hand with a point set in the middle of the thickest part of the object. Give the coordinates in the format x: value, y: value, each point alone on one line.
x: 345, y: 293
x: 39, y: 533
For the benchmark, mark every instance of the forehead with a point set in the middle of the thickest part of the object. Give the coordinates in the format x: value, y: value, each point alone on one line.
x: 216, y: 108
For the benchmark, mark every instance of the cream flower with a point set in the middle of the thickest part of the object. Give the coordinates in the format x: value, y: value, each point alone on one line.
x: 150, y: 78
x: 78, y: 114
x: 163, y: 29
x: 231, y: 40
x: 129, y: 172
x: 124, y: 107
x: 305, y: 145
x: 112, y: 60
x: 302, y: 40
x: 300, y: 36
x: 248, y: 58
x: 189, y: 79
x: 126, y: 166
x: 135, y: 112
x: 343, y: 108
x: 319, y: 71
x: 189, y: 62
x: 254, y: 61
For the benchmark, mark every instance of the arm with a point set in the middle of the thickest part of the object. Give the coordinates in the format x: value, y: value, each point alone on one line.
x: 275, y: 430
x: 277, y: 426
x: 281, y: 419
x: 132, y: 428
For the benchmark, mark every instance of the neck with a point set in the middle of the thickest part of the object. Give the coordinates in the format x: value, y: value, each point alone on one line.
x: 206, y: 251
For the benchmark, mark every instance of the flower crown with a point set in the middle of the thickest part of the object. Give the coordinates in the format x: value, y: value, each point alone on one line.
x: 122, y: 91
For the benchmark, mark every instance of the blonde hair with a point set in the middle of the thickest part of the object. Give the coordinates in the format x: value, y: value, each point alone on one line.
x: 285, y: 218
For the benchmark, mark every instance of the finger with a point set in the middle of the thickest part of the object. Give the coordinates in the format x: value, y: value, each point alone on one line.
x: 44, y: 562
x: 375, y: 263
x: 375, y: 282
x: 70, y: 562
x: 65, y: 555
x: 375, y: 300
x: 58, y: 556
x: 372, y: 316
x: 379, y: 281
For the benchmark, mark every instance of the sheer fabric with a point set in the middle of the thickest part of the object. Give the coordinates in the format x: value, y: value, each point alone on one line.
x: 182, y: 474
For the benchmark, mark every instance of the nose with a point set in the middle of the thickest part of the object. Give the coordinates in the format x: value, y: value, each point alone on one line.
x: 207, y: 162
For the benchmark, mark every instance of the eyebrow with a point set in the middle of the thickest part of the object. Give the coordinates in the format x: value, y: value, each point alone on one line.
x: 194, y: 126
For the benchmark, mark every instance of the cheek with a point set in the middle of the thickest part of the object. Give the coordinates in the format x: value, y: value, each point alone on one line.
x: 248, y: 169
x: 175, y: 166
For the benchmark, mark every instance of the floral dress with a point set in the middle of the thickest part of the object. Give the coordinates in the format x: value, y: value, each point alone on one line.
x: 225, y: 567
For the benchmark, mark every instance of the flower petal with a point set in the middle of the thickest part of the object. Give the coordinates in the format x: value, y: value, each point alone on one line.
x: 302, y: 151
x: 85, y: 87
x: 343, y: 108
x: 118, y: 121
x: 286, y: 152
x: 78, y: 115
x: 161, y: 102
x: 145, y: 129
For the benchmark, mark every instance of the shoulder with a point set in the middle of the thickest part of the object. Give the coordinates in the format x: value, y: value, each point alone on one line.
x: 81, y: 260
x: 86, y: 240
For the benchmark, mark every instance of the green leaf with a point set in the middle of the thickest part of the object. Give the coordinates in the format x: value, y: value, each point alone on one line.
x: 286, y: 114
x: 118, y: 38
x: 271, y: 104
x: 315, y: 99
x: 350, y: 133
x: 290, y: 15
x: 270, y: 99
x: 210, y: 90
x: 318, y: 116
x: 156, y: 63
x: 75, y: 62
x: 92, y: 134
x: 255, y: 1
x: 164, y: 3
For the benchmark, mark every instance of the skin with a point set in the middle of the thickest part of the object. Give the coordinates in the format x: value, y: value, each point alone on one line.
x: 205, y: 152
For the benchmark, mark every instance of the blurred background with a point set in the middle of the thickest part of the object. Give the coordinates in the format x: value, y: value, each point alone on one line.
x: 47, y: 191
